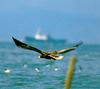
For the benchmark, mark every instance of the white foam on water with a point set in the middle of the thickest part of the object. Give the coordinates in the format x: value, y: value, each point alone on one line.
x: 47, y: 66
x: 25, y: 65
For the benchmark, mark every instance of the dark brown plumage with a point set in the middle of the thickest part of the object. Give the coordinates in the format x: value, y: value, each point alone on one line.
x: 48, y: 55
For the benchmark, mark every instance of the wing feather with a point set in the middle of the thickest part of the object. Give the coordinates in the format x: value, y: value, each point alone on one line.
x: 26, y: 46
x: 66, y: 49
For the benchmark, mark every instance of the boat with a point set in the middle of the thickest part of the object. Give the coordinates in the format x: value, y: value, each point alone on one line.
x: 40, y: 38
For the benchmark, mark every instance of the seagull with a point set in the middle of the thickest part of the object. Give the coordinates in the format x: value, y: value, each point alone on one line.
x: 7, y: 71
x: 53, y: 55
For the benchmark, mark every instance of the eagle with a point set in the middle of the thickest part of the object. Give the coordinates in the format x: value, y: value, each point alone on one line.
x: 53, y: 55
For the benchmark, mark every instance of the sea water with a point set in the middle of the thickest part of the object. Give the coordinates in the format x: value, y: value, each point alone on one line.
x: 21, y: 69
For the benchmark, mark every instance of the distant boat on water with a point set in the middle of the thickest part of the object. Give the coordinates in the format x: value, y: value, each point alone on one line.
x: 42, y: 38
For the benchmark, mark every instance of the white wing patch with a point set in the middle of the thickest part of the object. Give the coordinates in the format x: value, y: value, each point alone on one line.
x: 59, y: 57
x: 56, y: 57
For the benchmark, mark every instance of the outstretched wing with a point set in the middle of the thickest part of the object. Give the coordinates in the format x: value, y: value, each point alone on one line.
x: 78, y: 44
x: 66, y: 49
x: 26, y: 46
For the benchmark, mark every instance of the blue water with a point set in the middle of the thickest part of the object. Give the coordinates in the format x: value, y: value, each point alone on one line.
x: 29, y: 72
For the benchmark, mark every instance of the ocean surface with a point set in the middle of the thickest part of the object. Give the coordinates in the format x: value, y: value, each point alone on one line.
x: 21, y: 69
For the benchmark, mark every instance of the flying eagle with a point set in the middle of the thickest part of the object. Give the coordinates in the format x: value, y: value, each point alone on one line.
x: 47, y: 55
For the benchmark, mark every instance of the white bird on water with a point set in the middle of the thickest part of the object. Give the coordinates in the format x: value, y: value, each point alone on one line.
x: 37, y: 70
x: 56, y: 69
x: 7, y: 71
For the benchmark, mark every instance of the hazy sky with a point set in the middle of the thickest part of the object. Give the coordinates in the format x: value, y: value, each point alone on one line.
x: 74, y: 20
